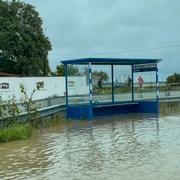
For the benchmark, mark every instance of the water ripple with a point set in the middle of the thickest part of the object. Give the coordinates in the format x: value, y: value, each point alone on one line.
x: 125, y: 147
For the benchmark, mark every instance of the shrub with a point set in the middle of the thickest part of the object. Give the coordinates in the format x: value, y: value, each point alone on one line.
x: 30, y: 107
x: 9, y: 110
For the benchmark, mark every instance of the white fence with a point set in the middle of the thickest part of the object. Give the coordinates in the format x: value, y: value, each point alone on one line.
x: 49, y: 86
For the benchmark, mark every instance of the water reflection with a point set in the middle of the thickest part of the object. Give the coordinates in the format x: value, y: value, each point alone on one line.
x: 119, y: 147
x: 100, y: 146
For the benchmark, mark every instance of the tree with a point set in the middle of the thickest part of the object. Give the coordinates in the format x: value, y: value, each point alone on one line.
x: 60, y: 70
x: 72, y: 70
x: 100, y: 75
x: 23, y: 45
x: 175, y: 78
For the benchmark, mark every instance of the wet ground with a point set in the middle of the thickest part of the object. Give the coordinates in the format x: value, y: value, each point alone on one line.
x: 124, y: 147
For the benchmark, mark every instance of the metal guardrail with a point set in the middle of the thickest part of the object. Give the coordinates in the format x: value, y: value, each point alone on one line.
x: 57, y: 104
x: 51, y: 110
x: 47, y: 111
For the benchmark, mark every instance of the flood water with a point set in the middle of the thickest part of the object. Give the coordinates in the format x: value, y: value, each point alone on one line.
x: 119, y: 147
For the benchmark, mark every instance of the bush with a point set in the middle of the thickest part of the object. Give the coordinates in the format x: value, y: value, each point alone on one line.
x: 9, y: 110
x: 15, y: 132
x: 30, y: 106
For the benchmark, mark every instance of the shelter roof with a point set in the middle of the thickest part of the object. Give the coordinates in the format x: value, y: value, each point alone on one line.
x: 116, y: 61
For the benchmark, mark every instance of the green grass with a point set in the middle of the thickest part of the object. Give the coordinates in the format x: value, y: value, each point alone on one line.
x: 21, y: 131
x: 15, y: 132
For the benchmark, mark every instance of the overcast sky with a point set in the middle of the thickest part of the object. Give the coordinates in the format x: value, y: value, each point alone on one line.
x: 84, y: 28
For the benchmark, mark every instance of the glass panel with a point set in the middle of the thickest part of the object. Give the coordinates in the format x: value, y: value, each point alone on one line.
x: 102, y: 83
x: 145, y: 85
x: 78, y: 84
x: 122, y: 83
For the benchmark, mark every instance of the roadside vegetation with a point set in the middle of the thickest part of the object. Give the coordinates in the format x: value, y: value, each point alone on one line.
x: 13, y: 127
x: 15, y: 132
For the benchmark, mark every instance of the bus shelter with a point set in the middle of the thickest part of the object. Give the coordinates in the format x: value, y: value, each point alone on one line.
x: 85, y: 105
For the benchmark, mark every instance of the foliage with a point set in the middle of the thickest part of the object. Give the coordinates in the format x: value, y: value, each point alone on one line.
x: 9, y: 110
x: 60, y: 70
x: 72, y: 70
x: 100, y: 75
x: 12, y: 110
x: 2, y: 108
x: 23, y: 45
x: 175, y: 78
x: 15, y: 132
x: 30, y: 106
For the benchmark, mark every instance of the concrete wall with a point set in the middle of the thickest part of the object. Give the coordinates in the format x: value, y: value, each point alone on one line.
x: 53, y: 86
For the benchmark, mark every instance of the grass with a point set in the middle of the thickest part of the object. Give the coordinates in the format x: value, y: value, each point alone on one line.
x: 22, y: 131
x: 15, y: 132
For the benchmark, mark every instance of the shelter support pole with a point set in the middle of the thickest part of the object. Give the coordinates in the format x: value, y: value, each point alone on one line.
x: 157, y: 87
x: 112, y: 79
x: 90, y: 88
x: 132, y: 82
x: 66, y: 85
x: 90, y: 84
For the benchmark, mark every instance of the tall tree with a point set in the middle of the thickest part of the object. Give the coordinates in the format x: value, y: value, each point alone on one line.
x: 23, y: 44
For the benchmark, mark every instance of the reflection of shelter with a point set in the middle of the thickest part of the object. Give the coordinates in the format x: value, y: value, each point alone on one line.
x: 90, y: 109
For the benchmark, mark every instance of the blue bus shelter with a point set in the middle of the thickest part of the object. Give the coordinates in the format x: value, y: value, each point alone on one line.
x: 90, y: 108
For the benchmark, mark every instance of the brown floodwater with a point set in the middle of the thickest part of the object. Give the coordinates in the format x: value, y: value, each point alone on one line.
x: 124, y: 147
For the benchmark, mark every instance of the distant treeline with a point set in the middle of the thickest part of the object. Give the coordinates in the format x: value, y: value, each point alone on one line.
x: 175, y: 78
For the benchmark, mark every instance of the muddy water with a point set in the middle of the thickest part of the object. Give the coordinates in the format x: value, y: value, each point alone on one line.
x: 118, y: 147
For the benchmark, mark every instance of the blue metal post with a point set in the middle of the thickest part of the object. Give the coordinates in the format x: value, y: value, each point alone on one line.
x: 157, y: 89
x: 112, y: 76
x: 90, y: 88
x: 132, y: 83
x: 66, y: 85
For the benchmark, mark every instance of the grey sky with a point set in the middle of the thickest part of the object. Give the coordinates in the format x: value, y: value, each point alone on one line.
x: 80, y: 28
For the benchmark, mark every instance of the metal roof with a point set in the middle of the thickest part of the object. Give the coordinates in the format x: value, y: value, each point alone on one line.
x: 117, y: 61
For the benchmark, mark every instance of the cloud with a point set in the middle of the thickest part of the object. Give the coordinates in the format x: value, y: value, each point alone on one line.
x: 79, y: 28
